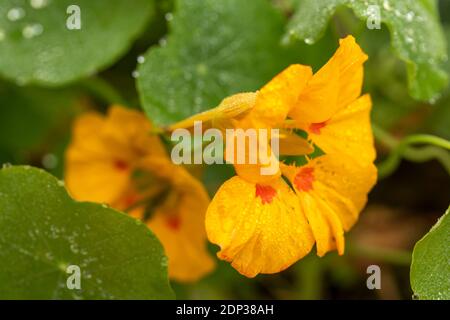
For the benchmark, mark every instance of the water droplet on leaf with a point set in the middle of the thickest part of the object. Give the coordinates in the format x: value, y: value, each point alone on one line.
x: 15, y: 14
x: 309, y: 41
x: 49, y: 161
x: 168, y: 16
x: 32, y: 30
x: 38, y: 4
x: 141, y: 59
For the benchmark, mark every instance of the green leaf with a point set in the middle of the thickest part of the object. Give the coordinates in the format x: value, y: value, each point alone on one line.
x: 416, y: 35
x: 430, y: 268
x: 43, y: 231
x: 36, y: 47
x: 215, y: 49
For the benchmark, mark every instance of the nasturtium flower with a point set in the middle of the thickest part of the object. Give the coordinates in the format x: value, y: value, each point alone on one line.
x: 117, y: 160
x: 263, y: 224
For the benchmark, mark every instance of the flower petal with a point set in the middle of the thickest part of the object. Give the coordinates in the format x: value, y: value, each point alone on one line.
x: 180, y: 228
x: 277, y: 97
x: 349, y: 132
x: 332, y: 192
x: 326, y: 227
x: 345, y: 184
x: 260, y: 229
x: 318, y: 101
x: 91, y: 172
x: 104, y: 151
x: 292, y: 144
x: 337, y: 84
x: 350, y: 58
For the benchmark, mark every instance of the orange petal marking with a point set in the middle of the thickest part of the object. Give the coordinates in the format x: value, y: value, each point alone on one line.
x: 266, y: 193
x: 316, y: 127
x: 174, y: 222
x: 131, y: 200
x: 121, y: 165
x: 304, y: 179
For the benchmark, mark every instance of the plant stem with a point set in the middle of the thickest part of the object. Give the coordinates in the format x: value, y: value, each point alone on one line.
x: 436, y: 149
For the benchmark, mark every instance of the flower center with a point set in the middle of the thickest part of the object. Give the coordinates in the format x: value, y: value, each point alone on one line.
x: 316, y: 127
x: 266, y: 193
x: 304, y: 179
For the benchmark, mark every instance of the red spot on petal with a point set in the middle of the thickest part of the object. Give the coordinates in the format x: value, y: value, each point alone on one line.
x: 316, y: 127
x: 131, y: 200
x: 304, y: 179
x: 174, y: 222
x: 121, y: 165
x: 266, y: 193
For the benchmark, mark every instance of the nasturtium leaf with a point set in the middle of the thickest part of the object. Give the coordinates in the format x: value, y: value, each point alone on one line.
x: 214, y: 49
x: 416, y: 36
x: 430, y: 268
x: 37, y: 47
x: 44, y: 231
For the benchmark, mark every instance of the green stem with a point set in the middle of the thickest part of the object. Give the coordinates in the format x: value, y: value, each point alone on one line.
x: 310, y: 277
x: 435, y: 149
x: 427, y: 139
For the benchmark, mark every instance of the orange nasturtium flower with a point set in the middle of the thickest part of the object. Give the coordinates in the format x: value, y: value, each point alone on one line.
x: 264, y: 225
x: 115, y: 159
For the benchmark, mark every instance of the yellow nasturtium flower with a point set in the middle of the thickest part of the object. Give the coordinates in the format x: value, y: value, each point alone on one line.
x: 262, y: 224
x: 115, y: 159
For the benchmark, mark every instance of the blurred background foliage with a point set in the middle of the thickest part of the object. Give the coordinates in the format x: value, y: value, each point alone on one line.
x: 35, y: 127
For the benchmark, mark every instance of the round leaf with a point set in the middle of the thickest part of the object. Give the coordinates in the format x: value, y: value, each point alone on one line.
x: 430, y: 268
x: 36, y: 45
x: 44, y: 232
